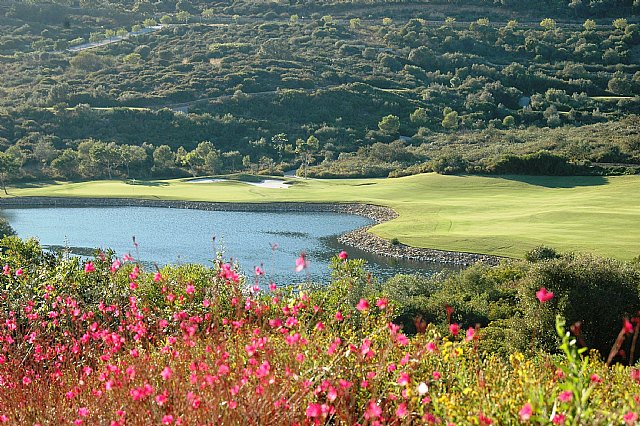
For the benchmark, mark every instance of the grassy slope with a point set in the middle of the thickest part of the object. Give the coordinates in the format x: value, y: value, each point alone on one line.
x: 468, y: 213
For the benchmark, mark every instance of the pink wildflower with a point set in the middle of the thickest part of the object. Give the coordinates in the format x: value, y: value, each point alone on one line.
x: 314, y: 410
x: 470, y: 334
x: 190, y: 289
x: 166, y: 373
x: 543, y: 295
x: 373, y: 411
x: 115, y: 265
x: 627, y: 326
x: 403, y: 380
x: 167, y: 420
x: 402, y: 411
x: 259, y: 271
x: 157, y: 277
x: 565, y: 396
x: 362, y: 305
x: 382, y: 303
x: 19, y: 272
x: 339, y: 316
x: 301, y: 262
x: 525, y: 412
x: 6, y: 270
x: 89, y: 267
x: 454, y: 329
x: 342, y: 255
x: 630, y: 418
x: 83, y: 412
x: 558, y: 419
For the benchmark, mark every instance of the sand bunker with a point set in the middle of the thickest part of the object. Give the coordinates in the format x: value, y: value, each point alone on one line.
x: 267, y: 183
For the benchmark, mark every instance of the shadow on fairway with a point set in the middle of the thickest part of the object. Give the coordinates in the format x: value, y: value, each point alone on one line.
x: 558, y: 181
x: 27, y: 185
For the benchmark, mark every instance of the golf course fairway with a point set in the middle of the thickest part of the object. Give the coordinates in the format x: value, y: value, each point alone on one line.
x: 504, y: 216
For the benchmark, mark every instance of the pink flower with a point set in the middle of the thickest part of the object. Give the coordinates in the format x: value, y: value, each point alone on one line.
x: 83, y: 412
x: 127, y: 258
x: 471, y: 332
x: 558, y: 419
x: 339, y: 316
x: 431, y: 347
x: 402, y: 411
x: 630, y: 418
x: 19, y: 272
x: 627, y: 326
x: 543, y: 295
x: 166, y: 373
x: 89, y: 267
x: 259, y: 271
x: 403, y: 380
x: 314, y: 410
x: 565, y: 396
x: 6, y: 270
x: 525, y: 412
x: 190, y: 289
x: 373, y: 411
x: 273, y: 286
x: 362, y: 305
x: 157, y: 277
x: 382, y: 303
x: 595, y: 378
x: 454, y: 329
x: 320, y: 326
x: 436, y: 375
x: 301, y: 262
x: 115, y: 265
x: 167, y: 420
x: 342, y: 255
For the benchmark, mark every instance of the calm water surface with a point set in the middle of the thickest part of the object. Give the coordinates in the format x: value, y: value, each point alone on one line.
x: 175, y: 236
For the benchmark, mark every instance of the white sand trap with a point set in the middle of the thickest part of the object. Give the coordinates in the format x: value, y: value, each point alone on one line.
x: 270, y: 183
x: 206, y: 180
x: 267, y: 183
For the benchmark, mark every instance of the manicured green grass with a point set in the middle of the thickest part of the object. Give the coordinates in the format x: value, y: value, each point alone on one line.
x: 502, y: 216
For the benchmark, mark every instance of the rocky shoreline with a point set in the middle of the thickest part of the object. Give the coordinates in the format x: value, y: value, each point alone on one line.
x: 360, y: 238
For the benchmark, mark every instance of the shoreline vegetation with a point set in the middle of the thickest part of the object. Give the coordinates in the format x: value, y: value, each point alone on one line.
x: 359, y: 238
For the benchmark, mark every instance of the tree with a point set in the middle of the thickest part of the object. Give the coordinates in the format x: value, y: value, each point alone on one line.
x: 44, y: 152
x: 389, y: 125
x: 620, y: 24
x: 105, y: 156
x: 66, y: 164
x: 548, y: 24
x: 132, y: 155
x: 208, y: 13
x: 183, y: 16
x: 165, y: 20
x: 450, y: 120
x: 9, y: 166
x: 279, y: 142
x: 305, y: 150
x: 5, y: 228
x: 509, y: 121
x: 419, y: 117
x: 163, y: 159
x: 589, y: 25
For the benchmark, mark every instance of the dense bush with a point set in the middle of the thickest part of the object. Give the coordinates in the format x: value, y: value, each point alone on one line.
x: 102, y: 341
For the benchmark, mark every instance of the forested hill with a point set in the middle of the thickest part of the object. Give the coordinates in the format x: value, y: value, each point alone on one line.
x: 95, y: 89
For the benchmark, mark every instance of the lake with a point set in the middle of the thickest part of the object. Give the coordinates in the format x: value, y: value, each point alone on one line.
x: 176, y: 236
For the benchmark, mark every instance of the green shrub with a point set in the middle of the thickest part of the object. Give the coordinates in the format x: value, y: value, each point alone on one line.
x: 541, y: 253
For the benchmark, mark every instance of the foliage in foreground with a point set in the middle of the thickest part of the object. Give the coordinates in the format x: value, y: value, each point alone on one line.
x: 103, y: 342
